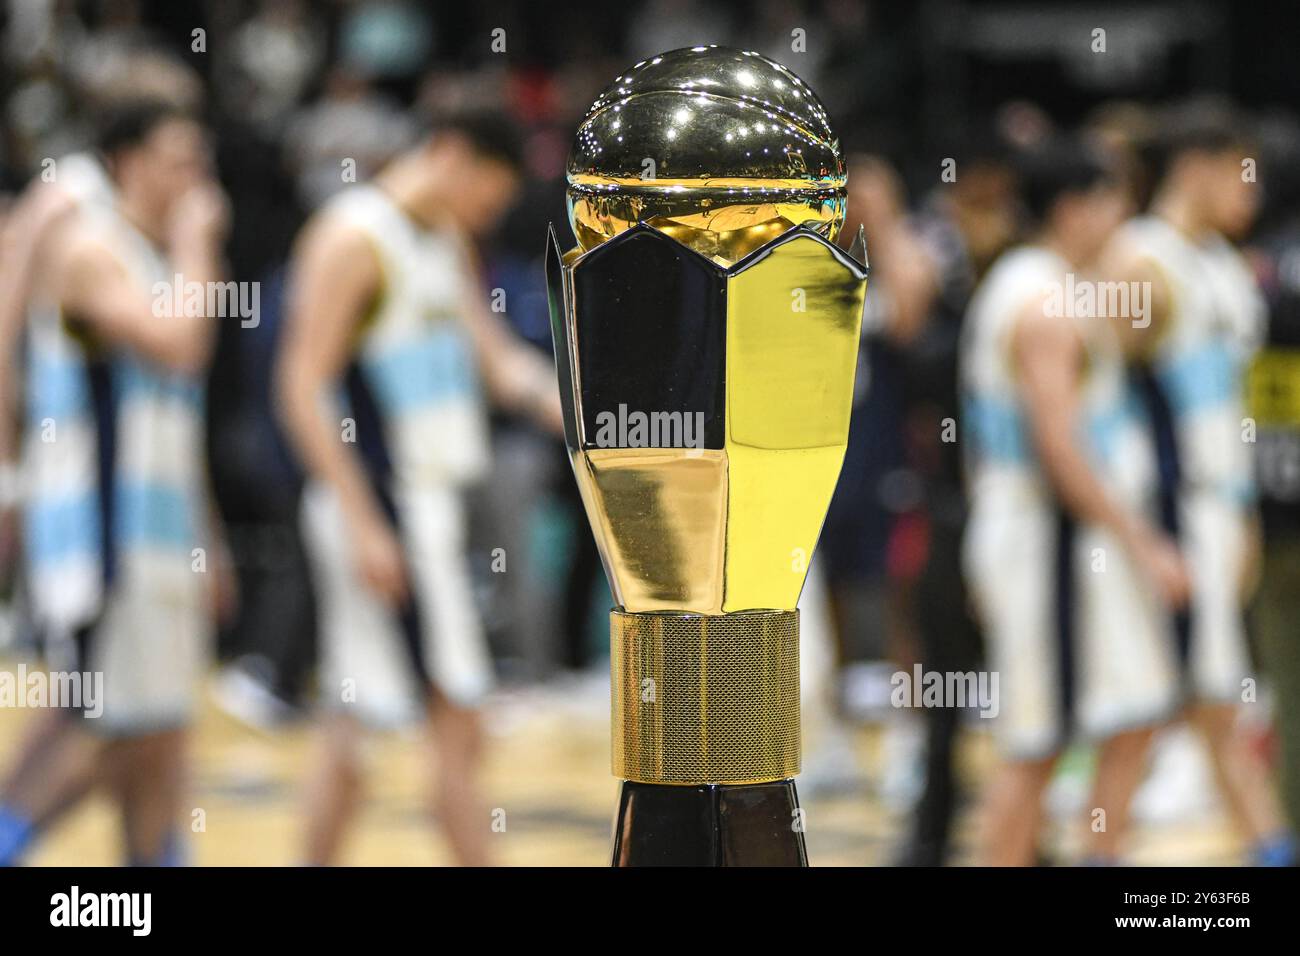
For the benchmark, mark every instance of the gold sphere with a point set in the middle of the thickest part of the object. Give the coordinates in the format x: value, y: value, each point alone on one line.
x: 722, y: 149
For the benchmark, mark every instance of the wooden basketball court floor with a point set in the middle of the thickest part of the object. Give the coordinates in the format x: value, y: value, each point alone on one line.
x: 548, y: 775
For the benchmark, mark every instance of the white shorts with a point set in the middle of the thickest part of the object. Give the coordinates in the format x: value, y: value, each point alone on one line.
x: 1081, y: 655
x: 1213, y: 538
x: 375, y: 662
x: 150, y: 643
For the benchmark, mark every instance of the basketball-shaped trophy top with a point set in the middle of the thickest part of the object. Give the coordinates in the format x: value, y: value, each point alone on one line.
x: 722, y: 149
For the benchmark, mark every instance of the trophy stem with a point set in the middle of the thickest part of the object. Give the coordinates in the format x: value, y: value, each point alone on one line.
x: 705, y: 715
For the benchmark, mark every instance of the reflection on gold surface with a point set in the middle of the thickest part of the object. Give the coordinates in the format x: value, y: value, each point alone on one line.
x: 723, y: 149
x: 659, y: 519
x: 793, y: 321
x: 723, y: 222
x: 716, y: 531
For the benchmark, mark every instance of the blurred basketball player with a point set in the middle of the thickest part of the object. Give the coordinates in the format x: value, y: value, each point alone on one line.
x: 113, y: 462
x: 389, y: 350
x: 1206, y: 321
x: 68, y: 184
x: 1057, y: 555
x: 80, y: 182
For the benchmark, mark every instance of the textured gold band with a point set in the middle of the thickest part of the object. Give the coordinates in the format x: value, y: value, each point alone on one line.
x: 703, y: 698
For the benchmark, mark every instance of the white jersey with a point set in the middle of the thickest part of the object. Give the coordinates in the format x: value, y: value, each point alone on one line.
x: 1003, y: 470
x: 1073, y: 632
x: 414, y: 394
x: 84, y: 179
x: 414, y: 352
x: 1215, y: 326
x: 113, y: 464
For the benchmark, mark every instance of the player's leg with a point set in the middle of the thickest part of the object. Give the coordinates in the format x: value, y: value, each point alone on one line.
x: 57, y: 760
x: 150, y: 645
x: 1220, y: 665
x: 1243, y: 778
x: 362, y: 681
x: 457, y: 798
x: 55, y: 769
x: 1012, y: 813
x: 335, y: 789
x: 1129, y: 686
x: 150, y: 771
x: 1012, y: 568
x: 1121, y: 767
x: 456, y: 665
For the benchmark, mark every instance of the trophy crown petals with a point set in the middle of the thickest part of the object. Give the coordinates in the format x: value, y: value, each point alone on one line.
x: 706, y: 410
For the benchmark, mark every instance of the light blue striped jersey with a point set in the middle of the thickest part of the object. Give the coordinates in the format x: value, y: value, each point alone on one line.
x: 414, y: 356
x: 1216, y: 324
x: 113, y: 458
x: 1003, y: 467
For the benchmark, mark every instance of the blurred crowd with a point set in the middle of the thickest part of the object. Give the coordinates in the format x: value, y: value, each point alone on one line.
x: 960, y: 170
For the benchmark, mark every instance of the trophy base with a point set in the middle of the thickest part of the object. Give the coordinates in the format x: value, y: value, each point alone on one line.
x: 757, y: 824
x: 705, y: 713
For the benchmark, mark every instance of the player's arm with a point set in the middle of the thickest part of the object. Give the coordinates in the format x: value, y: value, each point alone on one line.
x: 36, y: 214
x: 1139, y: 334
x: 335, y: 277
x: 517, y: 378
x: 94, y: 286
x: 1048, y: 358
x: 903, y: 268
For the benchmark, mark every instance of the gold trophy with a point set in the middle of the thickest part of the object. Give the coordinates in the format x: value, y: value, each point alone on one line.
x: 706, y: 336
